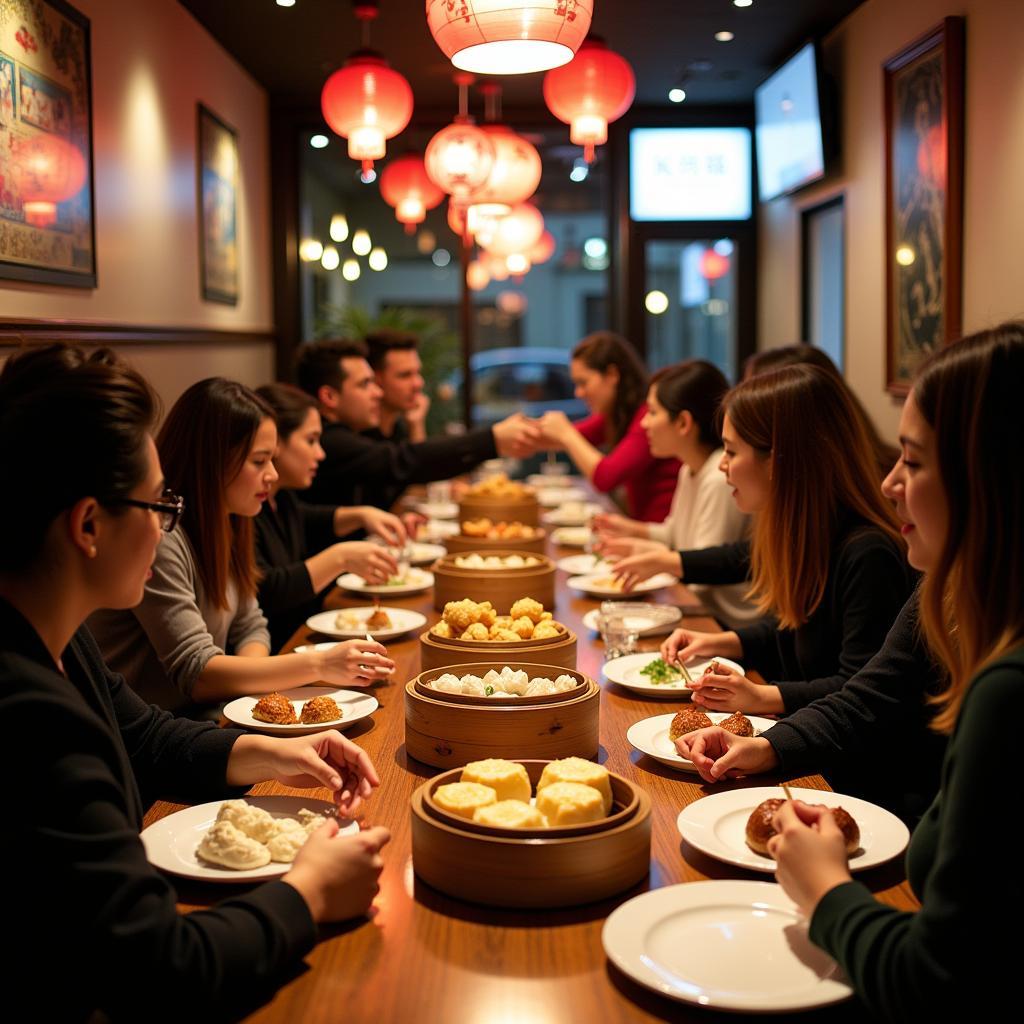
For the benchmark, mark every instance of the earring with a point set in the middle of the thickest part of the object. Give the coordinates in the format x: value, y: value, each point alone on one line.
x: 92, y: 551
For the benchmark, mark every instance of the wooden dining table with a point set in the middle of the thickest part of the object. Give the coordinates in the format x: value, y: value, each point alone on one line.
x: 423, y: 956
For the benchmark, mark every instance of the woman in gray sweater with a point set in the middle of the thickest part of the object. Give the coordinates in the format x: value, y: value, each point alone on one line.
x: 199, y: 637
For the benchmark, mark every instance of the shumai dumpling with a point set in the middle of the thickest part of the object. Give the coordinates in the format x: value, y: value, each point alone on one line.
x: 523, y: 626
x: 477, y: 631
x: 527, y: 606
x: 473, y: 686
x: 545, y: 629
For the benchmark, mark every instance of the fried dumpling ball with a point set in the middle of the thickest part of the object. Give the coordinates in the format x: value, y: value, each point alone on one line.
x: 687, y: 720
x: 276, y: 709
x: 507, y: 634
x: 476, y: 631
x: 320, y: 709
x: 442, y: 629
x: 738, y: 724
x: 546, y: 629
x: 527, y: 606
x: 486, y: 614
x: 523, y: 626
x: 760, y: 828
x: 460, y: 615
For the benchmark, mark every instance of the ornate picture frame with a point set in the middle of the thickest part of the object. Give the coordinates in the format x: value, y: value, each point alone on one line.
x: 924, y: 134
x: 217, y: 195
x: 47, y: 225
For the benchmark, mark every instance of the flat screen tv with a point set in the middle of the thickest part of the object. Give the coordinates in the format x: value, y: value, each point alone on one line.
x: 690, y: 174
x: 788, y: 126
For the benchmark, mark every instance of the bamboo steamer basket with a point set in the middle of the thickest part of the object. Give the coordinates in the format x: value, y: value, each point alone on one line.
x: 440, y: 652
x: 443, y: 732
x: 502, y: 587
x: 510, y: 870
x: 507, y: 509
x: 462, y: 543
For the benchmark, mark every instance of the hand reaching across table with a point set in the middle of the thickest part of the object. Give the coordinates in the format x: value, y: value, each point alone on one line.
x: 728, y: 690
x: 684, y: 644
x: 354, y: 663
x: 642, y: 566
x: 718, y: 754
x: 517, y: 436
x: 393, y: 530
x: 613, y: 525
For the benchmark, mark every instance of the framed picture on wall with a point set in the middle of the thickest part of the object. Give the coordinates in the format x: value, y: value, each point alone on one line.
x: 217, y: 191
x: 924, y: 130
x: 47, y: 231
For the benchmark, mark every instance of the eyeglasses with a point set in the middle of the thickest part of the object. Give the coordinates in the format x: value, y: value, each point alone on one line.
x: 169, y: 508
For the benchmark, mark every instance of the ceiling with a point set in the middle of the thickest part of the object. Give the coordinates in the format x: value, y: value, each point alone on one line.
x: 291, y: 51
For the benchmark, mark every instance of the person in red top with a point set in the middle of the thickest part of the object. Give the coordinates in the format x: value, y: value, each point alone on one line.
x: 610, y: 378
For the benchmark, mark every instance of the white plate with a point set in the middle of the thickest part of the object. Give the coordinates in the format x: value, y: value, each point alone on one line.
x: 591, y: 586
x: 626, y: 672
x: 416, y: 581
x: 650, y: 737
x: 419, y: 553
x: 572, y: 536
x: 582, y: 565
x: 438, y: 529
x: 570, y: 517
x: 355, y: 705
x: 552, y: 497
x: 646, y: 626
x: 171, y: 842
x: 717, y: 824
x: 402, y: 621
x: 560, y: 479
x: 728, y: 945
x: 437, y: 509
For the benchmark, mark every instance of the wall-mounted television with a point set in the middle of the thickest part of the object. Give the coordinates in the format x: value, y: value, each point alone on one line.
x: 791, y: 140
x: 690, y: 174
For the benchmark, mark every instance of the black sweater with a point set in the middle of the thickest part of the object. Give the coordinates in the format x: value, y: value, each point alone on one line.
x: 94, y: 925
x: 285, y: 538
x: 360, y: 470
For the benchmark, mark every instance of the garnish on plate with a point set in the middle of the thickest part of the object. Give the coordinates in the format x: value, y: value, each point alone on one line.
x: 660, y: 672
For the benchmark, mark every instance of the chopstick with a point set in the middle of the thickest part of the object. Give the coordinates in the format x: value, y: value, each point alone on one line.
x: 789, y: 795
x: 684, y: 670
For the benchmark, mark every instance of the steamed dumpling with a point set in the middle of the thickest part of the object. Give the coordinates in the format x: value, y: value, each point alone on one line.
x: 252, y: 821
x: 564, y: 682
x: 473, y: 686
x: 447, y: 683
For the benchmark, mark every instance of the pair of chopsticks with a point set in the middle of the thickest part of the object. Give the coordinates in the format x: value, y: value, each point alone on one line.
x: 682, y: 668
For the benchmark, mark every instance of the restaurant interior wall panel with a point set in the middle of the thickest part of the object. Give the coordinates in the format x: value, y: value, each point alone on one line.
x: 854, y: 54
x: 151, y: 64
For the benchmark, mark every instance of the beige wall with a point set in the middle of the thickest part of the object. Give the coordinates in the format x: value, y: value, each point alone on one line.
x: 151, y: 64
x: 993, y: 287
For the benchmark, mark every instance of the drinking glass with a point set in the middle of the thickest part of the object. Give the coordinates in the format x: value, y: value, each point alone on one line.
x: 618, y: 631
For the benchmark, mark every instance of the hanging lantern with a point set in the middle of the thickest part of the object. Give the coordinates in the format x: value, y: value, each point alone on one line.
x: 713, y: 265
x: 478, y: 277
x: 495, y: 266
x: 47, y: 170
x: 457, y: 218
x: 518, y: 263
x: 514, y: 175
x: 459, y: 158
x: 543, y: 250
x: 598, y: 86
x: 509, y: 37
x: 406, y: 186
x: 518, y: 231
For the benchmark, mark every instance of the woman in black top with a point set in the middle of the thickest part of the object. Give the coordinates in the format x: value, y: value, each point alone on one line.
x: 85, y: 902
x: 826, y: 560
x: 297, y: 550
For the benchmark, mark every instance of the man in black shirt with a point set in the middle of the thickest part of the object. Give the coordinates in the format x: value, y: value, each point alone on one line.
x: 404, y: 404
x: 361, y: 470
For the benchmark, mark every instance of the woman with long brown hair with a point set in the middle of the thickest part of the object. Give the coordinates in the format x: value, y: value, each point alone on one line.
x: 199, y: 637
x: 610, y: 378
x: 827, y: 563
x: 959, y: 492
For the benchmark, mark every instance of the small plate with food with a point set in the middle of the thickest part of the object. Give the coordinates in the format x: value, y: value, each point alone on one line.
x: 572, y: 513
x: 411, y: 581
x: 552, y: 497
x: 437, y: 509
x: 416, y: 553
x: 656, y: 736
x: 434, y: 530
x: 735, y: 826
x: 646, y: 619
x: 304, y: 710
x: 604, y: 584
x: 572, y: 536
x: 648, y: 674
x: 583, y: 565
x: 723, y: 945
x: 250, y: 840
x: 382, y: 623
x: 563, y: 478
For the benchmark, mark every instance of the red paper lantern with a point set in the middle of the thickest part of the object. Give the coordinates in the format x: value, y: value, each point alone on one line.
x: 404, y: 184
x: 514, y: 175
x: 366, y: 102
x: 47, y: 170
x: 713, y: 265
x: 598, y: 86
x: 459, y: 158
x: 478, y: 276
x: 509, y: 37
x: 518, y: 231
x: 543, y: 250
x: 457, y: 218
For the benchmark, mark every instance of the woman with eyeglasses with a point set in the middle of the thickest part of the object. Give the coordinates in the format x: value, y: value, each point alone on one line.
x: 199, y: 637
x: 95, y: 928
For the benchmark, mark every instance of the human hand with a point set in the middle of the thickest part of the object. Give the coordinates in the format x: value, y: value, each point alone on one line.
x: 555, y: 426
x: 374, y: 563
x: 417, y: 415
x: 642, y: 566
x: 412, y: 521
x: 684, y: 644
x: 337, y: 875
x: 809, y: 851
x: 354, y: 663
x: 717, y: 754
x: 516, y: 436
x: 323, y: 759
x: 729, y: 690
x: 611, y: 524
x: 386, y: 525
x: 614, y: 548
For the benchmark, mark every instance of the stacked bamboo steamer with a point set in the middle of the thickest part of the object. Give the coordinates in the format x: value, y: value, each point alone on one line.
x: 462, y: 543
x: 502, y: 587
x: 440, y: 652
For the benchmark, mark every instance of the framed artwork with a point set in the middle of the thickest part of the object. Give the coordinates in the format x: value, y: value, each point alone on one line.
x: 217, y: 190
x: 924, y: 131
x: 47, y: 230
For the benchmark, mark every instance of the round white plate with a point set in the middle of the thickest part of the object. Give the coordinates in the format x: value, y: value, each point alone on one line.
x: 416, y: 581
x: 171, y: 842
x: 552, y: 497
x: 419, y: 553
x: 583, y: 565
x: 650, y: 737
x: 570, y: 517
x: 626, y: 672
x: 437, y: 509
x: 402, y: 621
x: 560, y: 479
x: 572, y: 536
x: 727, y: 945
x: 355, y: 705
x: 438, y: 529
x: 592, y: 585
x: 645, y: 626
x: 717, y: 825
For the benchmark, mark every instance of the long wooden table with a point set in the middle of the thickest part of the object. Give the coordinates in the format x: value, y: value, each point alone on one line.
x: 426, y: 957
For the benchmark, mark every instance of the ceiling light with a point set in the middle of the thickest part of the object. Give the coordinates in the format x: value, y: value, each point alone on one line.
x: 595, y: 248
x: 330, y: 258
x: 350, y: 270
x: 319, y: 141
x: 310, y: 250
x: 441, y: 257
x: 426, y: 241
x: 378, y: 259
x: 517, y: 263
x: 285, y: 3
x: 368, y: 176
x: 742, y: 3
x: 580, y: 170
x: 361, y: 243
x: 656, y: 302
x: 724, y: 37
x: 339, y: 227
x: 677, y: 95
x: 905, y: 255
